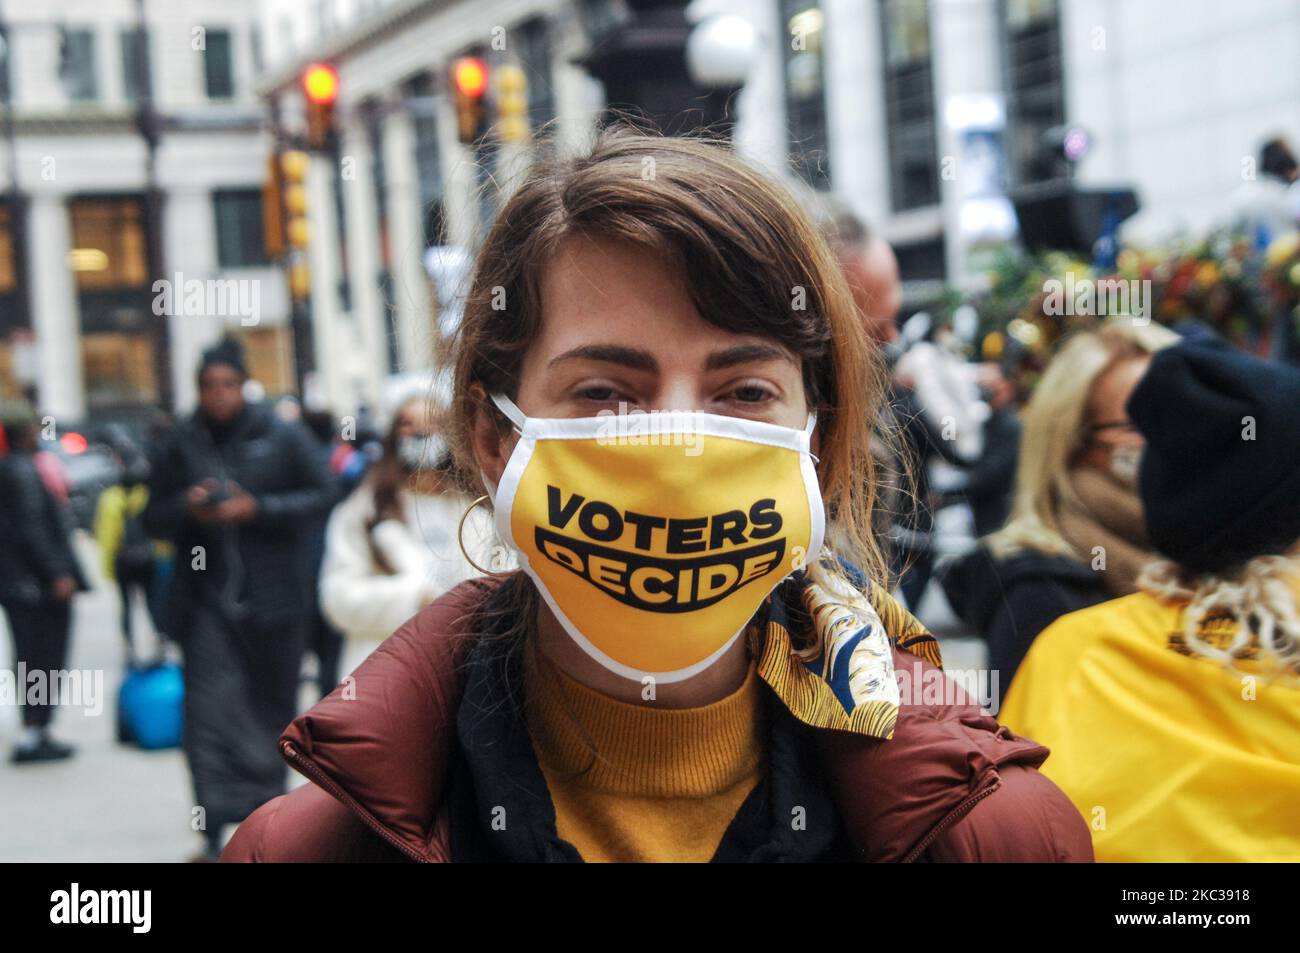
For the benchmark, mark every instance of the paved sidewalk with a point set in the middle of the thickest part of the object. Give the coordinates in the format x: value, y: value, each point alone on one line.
x: 109, y: 802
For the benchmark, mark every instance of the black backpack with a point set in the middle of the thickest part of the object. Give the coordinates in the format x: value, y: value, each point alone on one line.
x: 136, y: 553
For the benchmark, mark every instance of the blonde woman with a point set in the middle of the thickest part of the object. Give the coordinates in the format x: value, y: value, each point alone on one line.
x: 1173, y: 714
x: 681, y: 666
x: 1075, y: 536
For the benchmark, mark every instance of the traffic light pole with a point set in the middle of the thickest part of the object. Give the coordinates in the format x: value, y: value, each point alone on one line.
x: 147, y: 120
x: 300, y: 317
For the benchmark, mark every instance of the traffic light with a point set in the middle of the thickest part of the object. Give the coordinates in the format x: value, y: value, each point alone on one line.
x: 273, y: 210
x: 512, y: 103
x: 469, y: 83
x: 293, y: 167
x: 320, y: 85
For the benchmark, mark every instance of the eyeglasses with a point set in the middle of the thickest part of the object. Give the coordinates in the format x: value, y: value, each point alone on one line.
x: 1121, y: 428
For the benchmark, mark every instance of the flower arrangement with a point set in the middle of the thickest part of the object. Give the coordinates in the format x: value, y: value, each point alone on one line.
x: 1281, y: 279
x: 1222, y: 281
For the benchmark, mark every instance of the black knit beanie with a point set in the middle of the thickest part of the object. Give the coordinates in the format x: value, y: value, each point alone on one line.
x: 225, y: 351
x: 1220, y: 476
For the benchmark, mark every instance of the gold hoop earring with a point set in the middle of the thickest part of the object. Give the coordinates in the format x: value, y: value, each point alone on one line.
x: 460, y: 532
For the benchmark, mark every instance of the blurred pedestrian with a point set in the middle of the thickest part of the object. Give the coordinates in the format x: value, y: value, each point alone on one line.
x: 39, y: 575
x: 908, y: 439
x: 234, y: 489
x: 1076, y: 535
x: 1173, y: 714
x: 986, y: 485
x: 324, y: 640
x: 352, y: 452
x: 391, y: 547
x: 129, y: 556
x: 1267, y: 204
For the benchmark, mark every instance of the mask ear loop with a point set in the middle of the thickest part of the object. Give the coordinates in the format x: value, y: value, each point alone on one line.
x: 511, y: 410
x: 517, y: 418
x: 808, y: 428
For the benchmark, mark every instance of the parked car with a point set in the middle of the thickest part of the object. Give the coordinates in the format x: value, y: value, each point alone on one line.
x: 89, y: 466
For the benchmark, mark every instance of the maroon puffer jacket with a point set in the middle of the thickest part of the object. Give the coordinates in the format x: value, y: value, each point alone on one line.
x: 951, y: 784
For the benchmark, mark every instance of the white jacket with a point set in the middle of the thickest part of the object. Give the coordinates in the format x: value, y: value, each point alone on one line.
x: 368, y: 604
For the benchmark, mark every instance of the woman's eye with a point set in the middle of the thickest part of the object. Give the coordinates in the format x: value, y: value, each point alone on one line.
x: 597, y: 394
x: 751, y: 394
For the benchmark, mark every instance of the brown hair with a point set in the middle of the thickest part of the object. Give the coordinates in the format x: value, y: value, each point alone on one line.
x: 388, y: 477
x: 749, y: 256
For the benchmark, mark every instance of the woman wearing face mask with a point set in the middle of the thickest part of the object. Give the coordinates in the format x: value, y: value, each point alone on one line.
x: 1076, y: 535
x: 1176, y: 711
x: 390, y: 547
x: 665, y: 396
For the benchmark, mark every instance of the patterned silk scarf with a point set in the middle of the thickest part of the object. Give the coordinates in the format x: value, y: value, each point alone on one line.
x: 849, y: 684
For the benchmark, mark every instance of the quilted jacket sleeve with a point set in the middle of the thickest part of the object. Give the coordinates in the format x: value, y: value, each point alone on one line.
x: 1026, y: 819
x: 305, y: 826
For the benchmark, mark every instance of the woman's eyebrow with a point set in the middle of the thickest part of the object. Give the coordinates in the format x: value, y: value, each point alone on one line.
x: 746, y: 354
x: 610, y: 354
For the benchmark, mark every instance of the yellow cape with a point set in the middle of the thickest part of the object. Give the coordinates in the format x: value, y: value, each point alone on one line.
x: 1170, y: 757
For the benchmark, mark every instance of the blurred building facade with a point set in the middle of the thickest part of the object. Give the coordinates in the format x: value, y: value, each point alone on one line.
x: 135, y: 154
x: 922, y: 115
x: 400, y: 183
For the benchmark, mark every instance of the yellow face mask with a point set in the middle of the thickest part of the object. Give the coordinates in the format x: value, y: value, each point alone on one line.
x: 654, y: 537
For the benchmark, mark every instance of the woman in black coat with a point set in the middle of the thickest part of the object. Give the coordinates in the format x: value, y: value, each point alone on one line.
x: 39, y: 575
x: 236, y: 489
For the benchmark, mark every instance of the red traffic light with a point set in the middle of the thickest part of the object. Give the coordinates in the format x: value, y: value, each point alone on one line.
x: 321, y: 83
x: 470, y: 75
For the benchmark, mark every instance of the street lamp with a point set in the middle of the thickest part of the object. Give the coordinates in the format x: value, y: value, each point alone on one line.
x: 720, y: 51
x: 642, y: 62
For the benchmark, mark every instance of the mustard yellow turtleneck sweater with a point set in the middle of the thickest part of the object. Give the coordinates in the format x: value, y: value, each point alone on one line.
x: 636, y: 782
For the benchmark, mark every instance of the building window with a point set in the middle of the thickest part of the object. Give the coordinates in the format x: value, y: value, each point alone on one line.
x: 421, y: 93
x: 324, y: 17
x: 238, y: 214
x: 119, y: 336
x: 219, y: 65
x: 8, y: 285
x: 288, y: 43
x: 269, y: 354
x: 77, y: 67
x: 135, y: 64
x: 909, y: 104
x: 922, y: 264
x: 805, y: 90
x: 533, y: 42
x: 110, y: 250
x: 1035, y: 96
x: 6, y: 74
